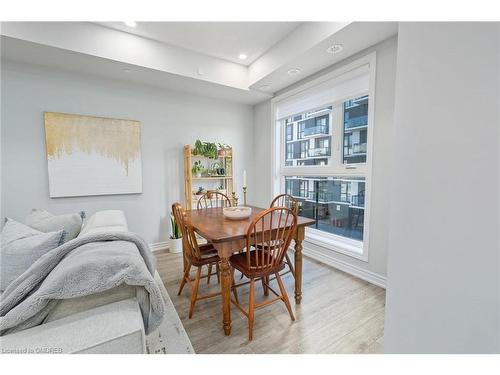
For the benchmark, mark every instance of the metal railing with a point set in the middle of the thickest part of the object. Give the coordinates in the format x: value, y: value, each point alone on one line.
x: 320, y: 151
x: 358, y: 200
x: 355, y: 122
x: 357, y: 148
x: 320, y: 129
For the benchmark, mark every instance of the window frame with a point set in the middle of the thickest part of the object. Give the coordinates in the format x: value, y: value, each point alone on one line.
x: 344, y: 245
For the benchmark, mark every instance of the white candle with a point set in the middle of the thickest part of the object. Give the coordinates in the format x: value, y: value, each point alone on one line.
x: 245, y: 178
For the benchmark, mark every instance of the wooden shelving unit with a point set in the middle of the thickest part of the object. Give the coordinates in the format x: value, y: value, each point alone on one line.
x: 190, y: 200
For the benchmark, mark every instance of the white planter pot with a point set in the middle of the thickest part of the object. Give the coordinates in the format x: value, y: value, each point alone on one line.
x: 175, y: 245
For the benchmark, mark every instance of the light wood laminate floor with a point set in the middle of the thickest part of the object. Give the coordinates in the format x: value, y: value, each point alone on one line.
x: 339, y: 313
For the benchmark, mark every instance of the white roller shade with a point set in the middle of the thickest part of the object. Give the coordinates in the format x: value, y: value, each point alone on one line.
x: 341, y: 87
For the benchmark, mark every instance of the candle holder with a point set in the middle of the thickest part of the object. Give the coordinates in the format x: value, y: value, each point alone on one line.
x: 244, y: 195
x: 235, y: 198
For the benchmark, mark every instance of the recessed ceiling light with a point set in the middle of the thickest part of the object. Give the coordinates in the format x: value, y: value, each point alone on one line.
x: 335, y: 48
x: 126, y: 70
x: 293, y: 71
x: 130, y: 23
x: 242, y: 56
x: 264, y: 87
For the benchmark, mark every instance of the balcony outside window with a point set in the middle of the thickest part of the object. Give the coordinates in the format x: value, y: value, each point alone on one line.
x: 314, y: 126
x: 356, y: 122
x: 335, y: 203
x: 321, y: 151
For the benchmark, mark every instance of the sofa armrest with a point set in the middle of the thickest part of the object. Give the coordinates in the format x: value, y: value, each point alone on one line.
x: 112, y: 328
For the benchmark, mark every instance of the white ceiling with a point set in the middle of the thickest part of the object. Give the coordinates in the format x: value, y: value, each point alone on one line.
x: 193, y: 57
x: 225, y: 40
x: 64, y: 60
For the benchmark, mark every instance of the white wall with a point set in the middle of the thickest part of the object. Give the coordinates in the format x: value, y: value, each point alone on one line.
x: 168, y: 121
x: 443, y: 279
x: 375, y: 268
x: 262, y: 195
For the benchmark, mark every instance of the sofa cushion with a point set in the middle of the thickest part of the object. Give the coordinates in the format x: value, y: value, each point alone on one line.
x: 105, y: 221
x: 67, y: 307
x: 115, y: 328
x: 46, y: 222
x: 21, y: 247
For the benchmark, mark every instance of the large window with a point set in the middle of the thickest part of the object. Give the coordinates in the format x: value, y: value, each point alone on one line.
x: 323, y: 153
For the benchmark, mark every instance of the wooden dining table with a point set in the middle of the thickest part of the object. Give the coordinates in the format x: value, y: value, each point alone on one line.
x: 229, y: 236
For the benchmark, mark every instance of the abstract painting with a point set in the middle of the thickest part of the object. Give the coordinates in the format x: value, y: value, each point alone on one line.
x: 89, y: 155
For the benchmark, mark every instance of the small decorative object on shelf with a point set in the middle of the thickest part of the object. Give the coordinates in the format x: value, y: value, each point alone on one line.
x: 197, y: 168
x: 211, y: 164
x: 200, y: 191
x: 223, y: 150
x: 218, y: 169
x: 221, y: 189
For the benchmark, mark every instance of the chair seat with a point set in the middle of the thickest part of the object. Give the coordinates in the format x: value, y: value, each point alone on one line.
x: 239, y: 261
x: 208, y: 255
x: 208, y: 249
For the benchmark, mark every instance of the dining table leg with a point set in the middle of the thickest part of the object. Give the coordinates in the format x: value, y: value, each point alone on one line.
x: 299, y: 237
x: 225, y: 270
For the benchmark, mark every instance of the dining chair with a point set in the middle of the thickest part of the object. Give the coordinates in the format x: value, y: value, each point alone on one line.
x: 286, y: 200
x: 213, y: 199
x: 267, y: 240
x: 197, y: 256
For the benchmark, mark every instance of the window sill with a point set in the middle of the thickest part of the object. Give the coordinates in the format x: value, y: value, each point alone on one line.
x: 335, y: 243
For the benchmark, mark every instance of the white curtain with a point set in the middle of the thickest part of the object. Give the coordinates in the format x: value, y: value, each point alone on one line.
x: 339, y: 88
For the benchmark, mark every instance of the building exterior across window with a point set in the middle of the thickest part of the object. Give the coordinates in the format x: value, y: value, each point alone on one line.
x: 308, y: 138
x: 355, y: 130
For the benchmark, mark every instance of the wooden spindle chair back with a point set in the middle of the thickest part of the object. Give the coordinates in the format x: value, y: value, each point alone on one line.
x: 213, y: 199
x: 193, y: 257
x: 286, y: 200
x: 189, y: 237
x: 272, y: 230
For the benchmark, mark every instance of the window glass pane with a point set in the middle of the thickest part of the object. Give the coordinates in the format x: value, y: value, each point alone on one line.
x: 336, y: 203
x: 355, y: 130
x: 308, y: 138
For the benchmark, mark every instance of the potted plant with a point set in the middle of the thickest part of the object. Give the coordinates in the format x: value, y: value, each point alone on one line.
x: 197, y: 168
x: 206, y: 149
x: 198, y: 149
x: 175, y: 242
x: 210, y: 150
x: 223, y: 150
x: 200, y: 191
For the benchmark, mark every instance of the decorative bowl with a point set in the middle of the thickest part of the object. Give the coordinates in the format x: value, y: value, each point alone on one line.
x: 237, y: 213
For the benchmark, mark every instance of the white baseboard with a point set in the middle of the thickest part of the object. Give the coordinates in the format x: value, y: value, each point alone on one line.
x: 363, y: 274
x: 158, y: 246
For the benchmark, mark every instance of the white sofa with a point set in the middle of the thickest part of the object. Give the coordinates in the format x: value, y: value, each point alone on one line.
x: 108, y: 322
